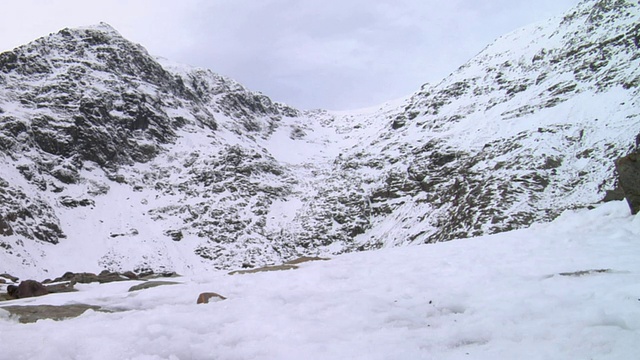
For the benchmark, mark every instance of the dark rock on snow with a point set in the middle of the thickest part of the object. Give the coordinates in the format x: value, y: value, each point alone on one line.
x: 206, y: 296
x: 616, y: 194
x: 27, y: 288
x: 629, y: 179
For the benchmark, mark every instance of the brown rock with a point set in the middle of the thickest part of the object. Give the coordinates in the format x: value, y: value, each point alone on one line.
x: 82, y: 278
x: 31, y: 314
x: 616, y: 194
x: 107, y: 276
x: 61, y: 288
x: 204, y: 297
x: 304, y: 259
x: 86, y: 277
x: 628, y: 168
x: 150, y: 284
x: 27, y: 288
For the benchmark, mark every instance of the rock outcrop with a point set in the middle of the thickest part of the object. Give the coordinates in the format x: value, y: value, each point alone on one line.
x: 628, y: 168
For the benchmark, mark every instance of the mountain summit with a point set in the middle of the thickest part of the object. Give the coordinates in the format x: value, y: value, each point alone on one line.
x: 113, y: 159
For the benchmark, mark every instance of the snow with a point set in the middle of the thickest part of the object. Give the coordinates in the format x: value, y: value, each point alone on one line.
x: 518, y: 294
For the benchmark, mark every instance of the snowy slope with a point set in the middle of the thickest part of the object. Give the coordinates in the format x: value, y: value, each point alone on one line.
x: 113, y: 159
x: 529, y: 127
x: 568, y: 289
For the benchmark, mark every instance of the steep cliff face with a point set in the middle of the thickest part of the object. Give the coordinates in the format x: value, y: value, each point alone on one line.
x: 119, y: 160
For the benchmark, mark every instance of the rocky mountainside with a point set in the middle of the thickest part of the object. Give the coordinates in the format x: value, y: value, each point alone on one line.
x: 529, y: 127
x: 113, y: 159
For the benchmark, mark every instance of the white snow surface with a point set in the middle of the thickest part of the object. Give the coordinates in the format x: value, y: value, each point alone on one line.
x: 569, y: 289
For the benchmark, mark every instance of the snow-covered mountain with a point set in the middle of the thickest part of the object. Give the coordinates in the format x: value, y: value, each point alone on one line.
x: 113, y: 159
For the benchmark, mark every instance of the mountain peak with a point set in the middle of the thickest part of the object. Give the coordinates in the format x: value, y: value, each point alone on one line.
x: 101, y: 26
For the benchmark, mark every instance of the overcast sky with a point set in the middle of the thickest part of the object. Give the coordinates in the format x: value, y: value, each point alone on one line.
x: 332, y: 54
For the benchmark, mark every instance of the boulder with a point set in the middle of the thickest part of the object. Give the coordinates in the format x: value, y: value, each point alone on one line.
x: 206, y: 296
x: 628, y: 168
x: 27, y: 288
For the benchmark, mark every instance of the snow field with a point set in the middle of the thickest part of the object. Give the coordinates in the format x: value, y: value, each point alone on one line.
x: 536, y: 293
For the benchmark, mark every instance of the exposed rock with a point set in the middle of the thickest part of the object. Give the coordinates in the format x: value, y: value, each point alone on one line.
x: 130, y: 275
x: 26, y: 289
x: 151, y: 284
x: 206, y: 296
x: 72, y: 203
x: 31, y: 314
x: 87, y: 277
x: 175, y: 235
x: 10, y: 277
x: 27, y: 215
x: 629, y: 179
x: 148, y: 274
x: 616, y: 194
x: 289, y: 265
x: 304, y: 259
x: 61, y: 288
x: 108, y: 276
x: 265, y: 269
x: 585, y: 272
x: 82, y: 278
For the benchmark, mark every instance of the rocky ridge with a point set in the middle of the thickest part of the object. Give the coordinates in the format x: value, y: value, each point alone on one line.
x: 120, y: 160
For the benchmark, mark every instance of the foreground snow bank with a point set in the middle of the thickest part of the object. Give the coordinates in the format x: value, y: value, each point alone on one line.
x: 523, y: 294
